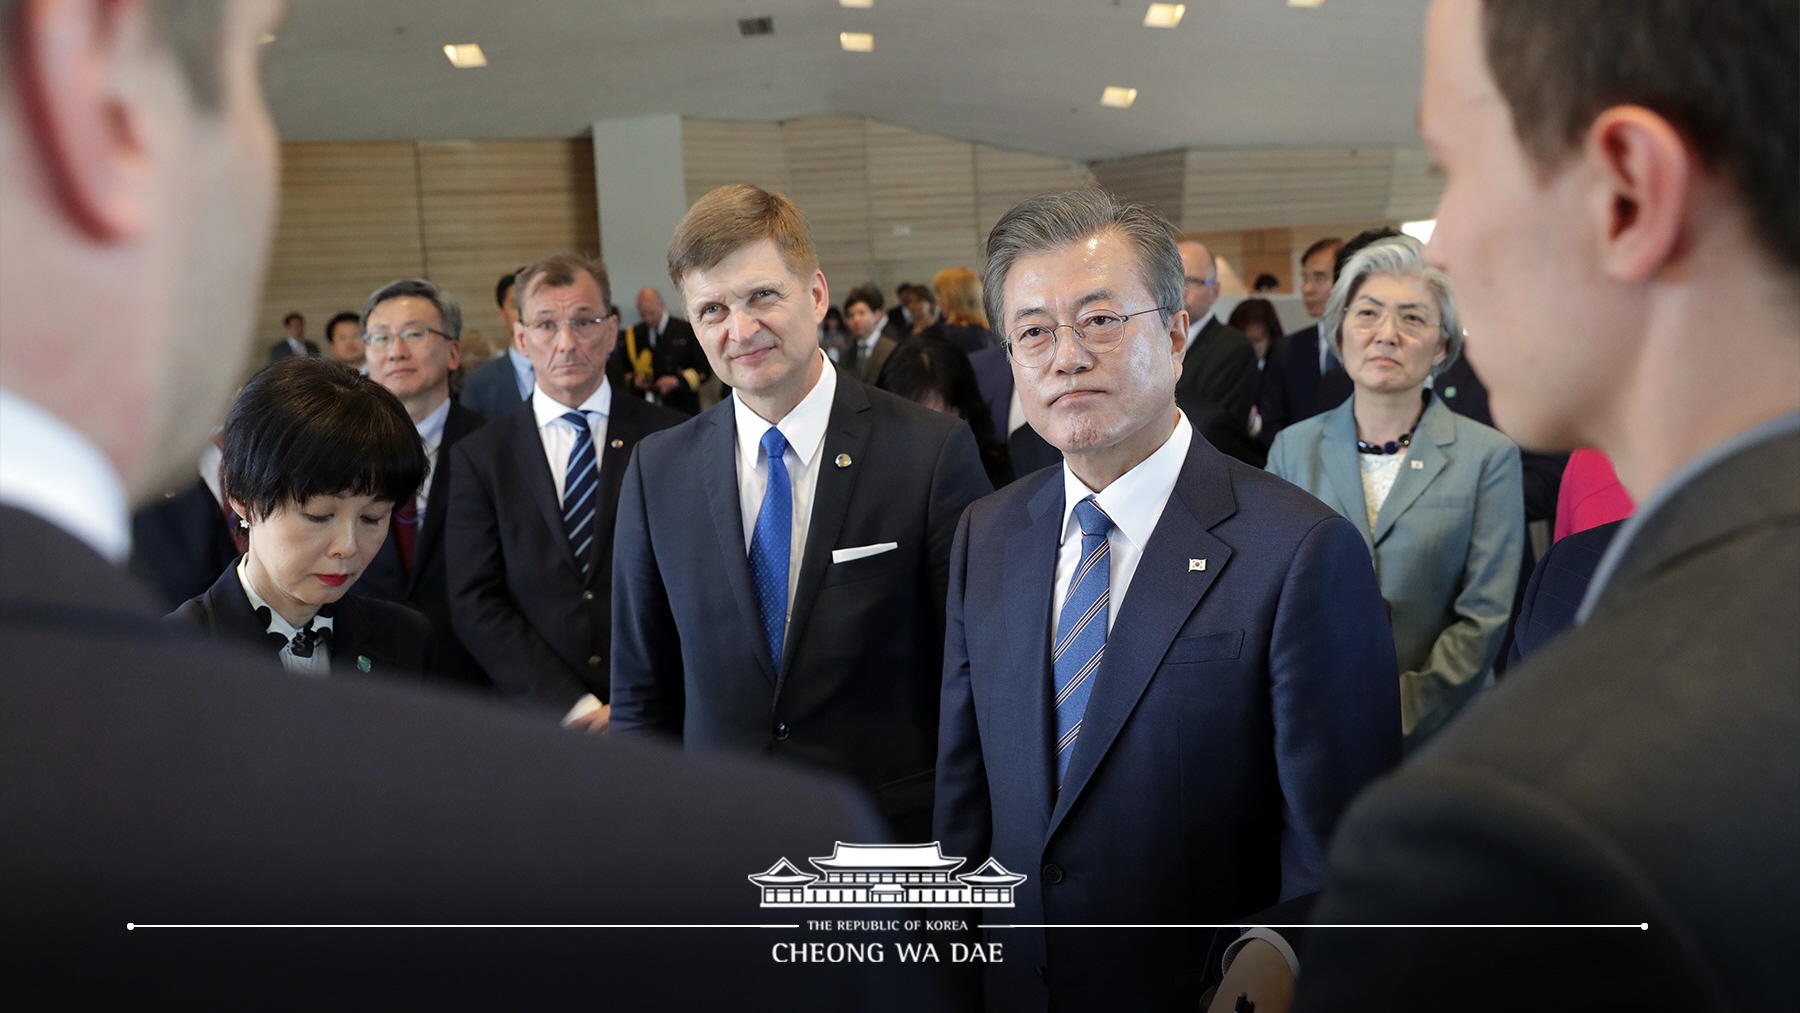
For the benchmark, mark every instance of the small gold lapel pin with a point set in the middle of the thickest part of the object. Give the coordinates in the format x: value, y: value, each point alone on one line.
x: 616, y: 444
x: 1196, y: 565
x: 1418, y: 465
x: 843, y: 461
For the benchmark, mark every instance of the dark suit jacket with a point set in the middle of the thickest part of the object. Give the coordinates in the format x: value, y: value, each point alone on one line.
x: 676, y: 353
x: 993, y: 375
x: 857, y: 687
x: 1557, y: 585
x: 1638, y: 771
x: 426, y: 588
x: 392, y: 639
x: 180, y: 543
x: 1217, y: 389
x: 1292, y: 386
x: 1246, y: 693
x: 282, y: 350
x: 155, y: 776
x: 492, y: 389
x: 541, y: 631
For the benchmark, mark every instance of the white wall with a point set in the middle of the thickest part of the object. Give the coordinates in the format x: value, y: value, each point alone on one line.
x: 640, y: 177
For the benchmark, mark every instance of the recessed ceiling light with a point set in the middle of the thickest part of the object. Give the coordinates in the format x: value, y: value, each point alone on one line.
x: 856, y: 3
x: 857, y: 42
x: 1164, y: 15
x: 466, y: 55
x: 1118, y: 98
x: 1305, y: 3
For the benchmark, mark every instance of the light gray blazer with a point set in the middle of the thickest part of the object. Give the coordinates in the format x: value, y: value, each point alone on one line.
x: 1447, y: 546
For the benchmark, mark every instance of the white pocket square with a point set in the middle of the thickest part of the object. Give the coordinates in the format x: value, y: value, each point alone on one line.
x: 862, y: 551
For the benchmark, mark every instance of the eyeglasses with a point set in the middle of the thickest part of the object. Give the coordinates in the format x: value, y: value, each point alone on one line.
x: 1365, y: 318
x: 1034, y: 345
x: 581, y: 327
x: 413, y: 336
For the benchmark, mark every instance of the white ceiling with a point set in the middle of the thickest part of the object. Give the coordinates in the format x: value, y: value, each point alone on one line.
x: 1022, y: 74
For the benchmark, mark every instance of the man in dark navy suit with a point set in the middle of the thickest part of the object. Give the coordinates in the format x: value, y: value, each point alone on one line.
x: 151, y: 778
x: 530, y: 534
x: 779, y: 586
x: 1166, y: 672
x: 1304, y: 376
x: 412, y: 335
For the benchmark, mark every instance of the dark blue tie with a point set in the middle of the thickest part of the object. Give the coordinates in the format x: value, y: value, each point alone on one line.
x: 581, y: 480
x: 769, y: 545
x: 1081, y: 630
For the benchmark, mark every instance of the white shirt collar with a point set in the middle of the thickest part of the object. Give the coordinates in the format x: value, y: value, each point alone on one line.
x: 548, y: 409
x: 277, y: 623
x: 431, y: 427
x: 1134, y: 500
x: 1194, y: 326
x: 52, y: 470
x: 803, y: 428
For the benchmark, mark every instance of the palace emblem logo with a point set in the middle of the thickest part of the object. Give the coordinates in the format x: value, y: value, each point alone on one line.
x: 886, y: 875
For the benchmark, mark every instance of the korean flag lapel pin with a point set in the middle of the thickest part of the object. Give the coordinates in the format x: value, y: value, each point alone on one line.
x: 1196, y: 566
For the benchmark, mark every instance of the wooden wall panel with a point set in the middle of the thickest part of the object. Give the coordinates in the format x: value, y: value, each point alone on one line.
x: 1155, y: 179
x: 357, y: 215
x: 828, y: 178
x: 1414, y: 187
x: 1004, y: 178
x: 1251, y: 189
x: 492, y: 206
x: 714, y: 154
x: 349, y: 220
x: 921, y: 195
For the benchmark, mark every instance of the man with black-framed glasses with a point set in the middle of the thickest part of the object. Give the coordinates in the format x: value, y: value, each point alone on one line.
x: 411, y: 336
x: 1166, y: 673
x: 530, y: 531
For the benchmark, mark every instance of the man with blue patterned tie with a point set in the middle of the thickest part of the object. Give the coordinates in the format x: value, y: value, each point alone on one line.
x: 782, y: 556
x: 1166, y: 672
x: 529, y: 536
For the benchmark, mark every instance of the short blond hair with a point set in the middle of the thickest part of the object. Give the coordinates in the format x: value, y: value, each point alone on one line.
x: 735, y: 216
x: 959, y: 294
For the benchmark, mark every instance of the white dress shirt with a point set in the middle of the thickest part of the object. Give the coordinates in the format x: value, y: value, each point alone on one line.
x: 1135, y: 502
x: 52, y: 471
x: 804, y: 430
x: 431, y: 433
x: 319, y: 664
x: 558, y: 436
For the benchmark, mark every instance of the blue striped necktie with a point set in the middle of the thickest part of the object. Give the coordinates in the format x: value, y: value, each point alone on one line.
x: 769, y: 545
x: 1081, y: 630
x: 581, y: 480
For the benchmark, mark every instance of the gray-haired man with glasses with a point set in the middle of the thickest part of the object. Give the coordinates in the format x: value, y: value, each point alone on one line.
x: 1165, y: 672
x: 411, y: 332
x: 531, y: 512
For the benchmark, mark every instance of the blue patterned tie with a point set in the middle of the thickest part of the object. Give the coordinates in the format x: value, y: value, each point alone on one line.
x: 769, y: 546
x: 1081, y: 630
x: 581, y: 481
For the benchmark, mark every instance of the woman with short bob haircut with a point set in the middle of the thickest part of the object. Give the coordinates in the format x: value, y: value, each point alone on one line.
x: 316, y: 457
x: 1437, y: 496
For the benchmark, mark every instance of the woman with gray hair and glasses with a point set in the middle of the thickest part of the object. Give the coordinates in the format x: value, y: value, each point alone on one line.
x: 1437, y: 496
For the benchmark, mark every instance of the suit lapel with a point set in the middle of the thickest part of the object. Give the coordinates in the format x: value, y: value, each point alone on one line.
x: 718, y: 463
x: 528, y: 452
x: 1029, y: 568
x: 1164, y: 592
x: 460, y: 423
x: 1343, y: 472
x: 846, y: 434
x: 624, y: 428
x: 1424, y: 459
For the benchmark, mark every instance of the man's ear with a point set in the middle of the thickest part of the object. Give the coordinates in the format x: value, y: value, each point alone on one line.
x: 80, y: 67
x: 1643, y: 176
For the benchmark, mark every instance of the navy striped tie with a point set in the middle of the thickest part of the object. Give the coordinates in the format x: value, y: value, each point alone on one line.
x: 1081, y: 630
x: 580, y: 483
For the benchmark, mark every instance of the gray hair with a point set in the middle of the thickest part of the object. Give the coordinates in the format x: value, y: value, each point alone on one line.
x: 1401, y: 257
x: 418, y: 288
x: 1054, y: 221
